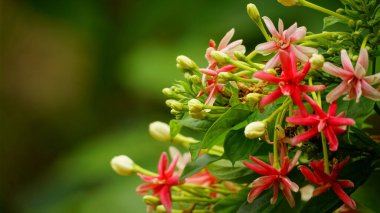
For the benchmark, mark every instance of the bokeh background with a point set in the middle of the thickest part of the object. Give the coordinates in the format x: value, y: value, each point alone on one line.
x: 81, y: 80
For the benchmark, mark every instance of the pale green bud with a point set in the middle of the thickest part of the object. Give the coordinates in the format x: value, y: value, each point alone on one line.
x: 168, y: 92
x: 185, y: 63
x: 272, y: 71
x: 161, y: 209
x: 255, y: 129
x: 122, y: 165
x: 174, y: 112
x: 195, y: 105
x: 253, y: 12
x: 195, y: 79
x: 160, y: 131
x: 289, y: 3
x: 151, y: 200
x: 220, y: 57
x: 307, y: 192
x: 226, y: 76
x: 239, y: 55
x: 317, y: 61
x: 176, y: 105
x: 253, y: 97
x: 198, y: 115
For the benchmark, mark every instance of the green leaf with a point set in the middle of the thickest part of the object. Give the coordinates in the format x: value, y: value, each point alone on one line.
x: 223, y: 124
x: 357, y: 171
x: 196, y: 166
x: 175, y: 128
x: 224, y: 170
x: 358, y: 111
x: 360, y: 139
x: 232, y: 203
x: 195, y: 124
x: 330, y: 20
x: 237, y: 146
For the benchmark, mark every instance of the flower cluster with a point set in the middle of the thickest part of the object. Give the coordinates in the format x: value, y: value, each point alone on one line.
x: 238, y: 109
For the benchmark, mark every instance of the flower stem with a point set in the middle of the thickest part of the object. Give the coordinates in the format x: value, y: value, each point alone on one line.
x: 365, y: 41
x: 325, y: 155
x: 139, y: 169
x: 278, y: 110
x: 251, y: 55
x: 323, y: 10
x: 244, y: 65
x: 193, y: 199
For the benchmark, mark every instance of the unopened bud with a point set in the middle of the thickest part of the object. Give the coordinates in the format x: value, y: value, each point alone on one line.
x: 198, y: 115
x: 160, y: 131
x: 239, y: 55
x: 253, y: 97
x: 161, y: 209
x: 289, y: 3
x: 255, y: 129
x: 317, y: 61
x: 340, y: 11
x: 151, y: 200
x: 195, y: 105
x: 220, y: 57
x: 195, y: 79
x: 185, y: 63
x: 307, y: 192
x: 168, y: 92
x: 122, y: 165
x: 226, y: 76
x: 253, y: 12
x: 176, y: 105
x: 355, y: 58
x: 271, y: 71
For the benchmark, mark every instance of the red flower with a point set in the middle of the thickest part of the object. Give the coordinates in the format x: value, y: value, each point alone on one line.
x: 328, y: 123
x: 273, y: 177
x: 161, y: 184
x: 214, y: 87
x: 326, y: 181
x: 289, y: 82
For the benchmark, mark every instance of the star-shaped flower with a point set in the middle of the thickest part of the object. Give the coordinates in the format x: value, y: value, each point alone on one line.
x: 329, y: 123
x: 162, y: 183
x: 327, y: 181
x: 284, y: 40
x: 273, y: 177
x: 355, y: 83
x: 290, y: 81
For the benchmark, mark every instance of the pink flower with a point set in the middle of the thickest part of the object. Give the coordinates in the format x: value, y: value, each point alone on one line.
x: 273, y: 177
x: 326, y: 181
x: 289, y: 82
x: 162, y: 183
x: 203, y: 178
x: 284, y: 40
x: 355, y: 83
x: 224, y: 47
x: 328, y: 123
x: 214, y: 87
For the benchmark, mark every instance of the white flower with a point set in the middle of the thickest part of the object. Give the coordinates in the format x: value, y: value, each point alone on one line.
x: 254, y: 129
x: 122, y: 165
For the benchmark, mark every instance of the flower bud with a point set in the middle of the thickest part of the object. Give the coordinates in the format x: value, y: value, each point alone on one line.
x: 168, y: 92
x: 255, y: 129
x: 317, y: 61
x: 289, y: 3
x: 195, y: 105
x: 198, y: 115
x: 185, y: 63
x: 160, y: 131
x: 307, y: 192
x: 122, y: 165
x: 239, y: 55
x: 253, y: 12
x: 220, y: 57
x: 226, y: 76
x: 161, y: 209
x: 272, y: 71
x: 151, y: 200
x: 195, y: 79
x: 176, y: 105
x: 253, y: 97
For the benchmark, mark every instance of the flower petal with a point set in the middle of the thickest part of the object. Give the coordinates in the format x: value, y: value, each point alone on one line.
x: 267, y: 77
x: 166, y: 198
x: 298, y: 34
x: 359, y: 71
x: 271, y: 97
x: 331, y: 138
x: 226, y: 39
x: 267, y: 47
x: 309, y: 175
x: 290, y: 184
x: 305, y: 136
x: 303, y: 121
x: 275, y: 194
x: 334, y: 121
x: 320, y: 190
x: 343, y: 196
x: 273, y: 62
x: 254, y: 193
x: 272, y: 29
x: 342, y: 89
x: 307, y: 88
x: 144, y: 188
x: 373, y: 79
x: 345, y: 183
x: 162, y: 164
x: 264, y: 165
x: 306, y: 50
x: 299, y: 54
x: 289, y: 197
x: 290, y: 31
x: 363, y: 59
x: 370, y: 92
x: 346, y: 61
x: 258, y: 169
x: 315, y: 106
x: 170, y: 171
x: 337, y: 71
x: 266, y: 181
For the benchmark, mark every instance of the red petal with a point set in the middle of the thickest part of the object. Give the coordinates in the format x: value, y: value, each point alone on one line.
x: 254, y: 193
x: 166, y: 198
x: 305, y: 136
x: 343, y: 196
x: 290, y: 184
x: 172, y: 166
x: 275, y: 194
x: 331, y: 138
x: 286, y: 64
x: 264, y: 165
x: 289, y: 197
x: 162, y: 164
x: 301, y: 75
x: 315, y: 106
x: 296, y: 97
x: 266, y: 181
x: 309, y: 175
x: 258, y: 169
x: 334, y: 121
x: 267, y: 77
x: 301, y: 120
x: 144, y: 188
x: 306, y: 88
x: 271, y: 97
x: 320, y: 190
x: 345, y: 183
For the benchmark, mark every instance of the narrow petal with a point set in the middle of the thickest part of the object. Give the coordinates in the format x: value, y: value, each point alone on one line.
x: 315, y: 106
x: 284, y: 166
x: 166, y: 198
x: 337, y: 71
x: 170, y: 171
x: 299, y: 55
x: 332, y: 109
x: 211, y: 97
x: 358, y: 91
x: 343, y: 196
x: 273, y: 62
x: 373, y: 79
x: 144, y: 188
x: 266, y: 181
x: 267, y: 77
x: 342, y: 89
x: 346, y: 62
x: 294, y: 161
x: 271, y: 97
x: 307, y: 88
x: 289, y: 197
x: 345, y: 183
x: 290, y: 31
x: 290, y: 184
x: 305, y: 136
x: 334, y: 121
x: 267, y: 47
x: 272, y: 29
x: 146, y: 177
x: 162, y: 164
x: 296, y: 97
x: 370, y: 92
x: 298, y: 34
x: 331, y: 138
x: 264, y: 165
x: 226, y: 39
x: 359, y: 71
x: 303, y: 121
x: 309, y: 175
x: 301, y: 75
x: 320, y: 190
x: 254, y: 193
x: 258, y: 169
x: 208, y: 72
x: 275, y: 194
x: 338, y: 130
x: 306, y: 50
x: 363, y: 59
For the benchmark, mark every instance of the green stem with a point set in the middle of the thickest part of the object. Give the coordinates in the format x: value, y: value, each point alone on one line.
x: 325, y: 155
x: 193, y: 199
x: 263, y: 30
x: 139, y: 169
x: 365, y: 41
x: 244, y: 66
x: 251, y: 55
x: 278, y: 110
x: 323, y: 10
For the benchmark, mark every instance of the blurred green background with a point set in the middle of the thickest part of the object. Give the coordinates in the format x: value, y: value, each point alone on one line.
x: 81, y: 80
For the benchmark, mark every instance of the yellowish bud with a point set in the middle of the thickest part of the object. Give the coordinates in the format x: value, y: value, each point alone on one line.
x: 185, y: 63
x: 176, y: 105
x: 289, y: 3
x: 253, y: 12
x: 160, y: 131
x: 307, y: 192
x: 198, y: 115
x: 122, y: 165
x: 151, y: 200
x: 168, y: 92
x: 220, y: 57
x: 195, y: 106
x: 255, y: 129
x: 317, y: 61
x: 253, y: 97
